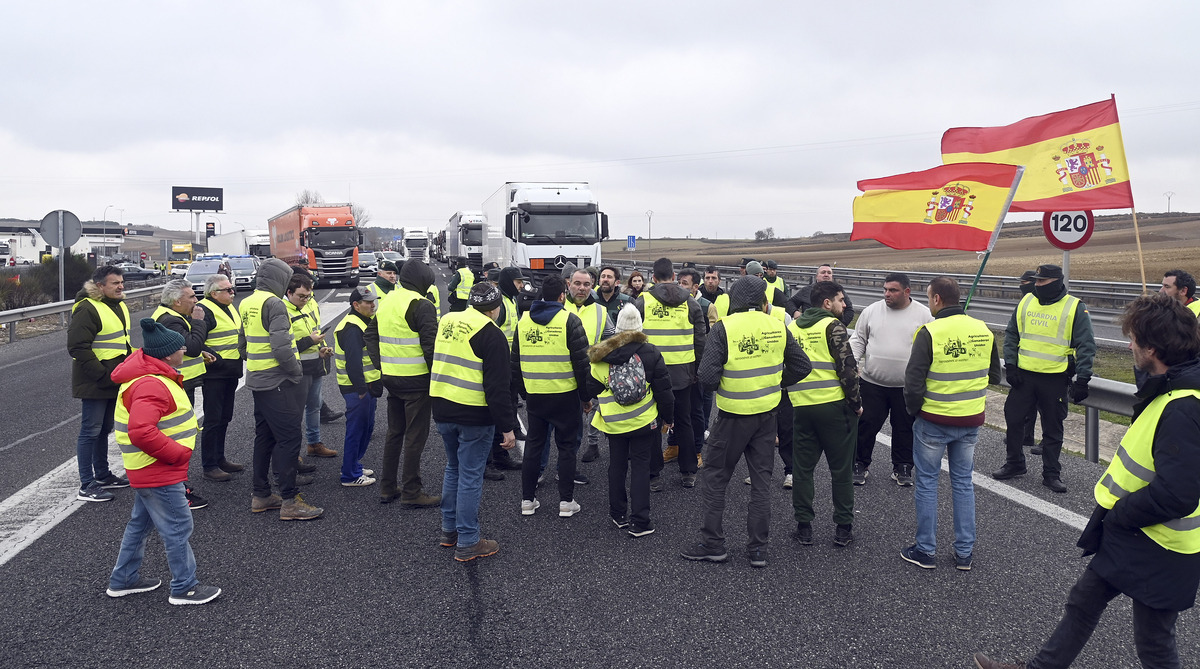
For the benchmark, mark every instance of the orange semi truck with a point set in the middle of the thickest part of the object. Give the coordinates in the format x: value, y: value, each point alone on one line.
x: 323, y: 238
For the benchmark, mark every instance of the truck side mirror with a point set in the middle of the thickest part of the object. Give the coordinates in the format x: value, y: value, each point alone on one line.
x: 510, y: 226
x: 361, y: 238
x: 603, y: 226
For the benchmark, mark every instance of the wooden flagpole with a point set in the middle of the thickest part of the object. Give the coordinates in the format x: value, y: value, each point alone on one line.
x: 1141, y: 261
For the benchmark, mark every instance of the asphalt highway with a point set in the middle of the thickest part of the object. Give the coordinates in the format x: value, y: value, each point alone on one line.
x: 367, y: 585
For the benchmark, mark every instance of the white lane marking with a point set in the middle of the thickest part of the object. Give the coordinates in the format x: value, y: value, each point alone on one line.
x: 54, y: 494
x: 1053, y: 511
x: 38, y: 434
x: 25, y: 360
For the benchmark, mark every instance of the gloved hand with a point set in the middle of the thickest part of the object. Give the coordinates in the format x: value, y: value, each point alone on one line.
x: 1012, y: 374
x: 1078, y: 391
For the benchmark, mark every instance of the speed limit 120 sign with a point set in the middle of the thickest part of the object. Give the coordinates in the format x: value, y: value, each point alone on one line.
x: 1068, y: 230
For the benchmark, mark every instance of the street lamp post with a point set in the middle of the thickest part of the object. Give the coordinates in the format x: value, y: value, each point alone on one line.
x: 104, y: 227
x: 1169, y: 195
x: 649, y: 229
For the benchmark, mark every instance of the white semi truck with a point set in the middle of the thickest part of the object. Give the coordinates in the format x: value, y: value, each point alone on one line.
x: 415, y: 243
x: 543, y: 226
x: 464, y: 238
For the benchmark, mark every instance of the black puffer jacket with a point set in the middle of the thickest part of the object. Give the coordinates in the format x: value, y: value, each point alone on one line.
x: 617, y: 350
x: 89, y: 376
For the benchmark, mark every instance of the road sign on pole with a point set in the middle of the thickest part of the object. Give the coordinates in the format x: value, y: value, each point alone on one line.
x: 72, y: 229
x: 1068, y: 230
x: 631, y: 242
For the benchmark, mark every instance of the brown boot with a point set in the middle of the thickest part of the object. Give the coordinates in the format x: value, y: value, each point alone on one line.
x: 298, y: 509
x: 216, y: 474
x: 984, y: 662
x: 303, y: 467
x: 260, y: 504
x: 318, y: 450
x: 422, y: 500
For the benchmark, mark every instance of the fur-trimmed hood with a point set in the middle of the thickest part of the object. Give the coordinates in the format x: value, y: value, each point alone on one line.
x: 607, y: 347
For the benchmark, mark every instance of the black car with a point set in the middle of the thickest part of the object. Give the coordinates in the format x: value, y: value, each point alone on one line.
x: 132, y: 272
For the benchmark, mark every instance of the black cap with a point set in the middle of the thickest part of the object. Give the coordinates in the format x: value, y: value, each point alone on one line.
x: 771, y: 264
x: 1048, y: 272
x: 387, y: 266
x: 1028, y: 276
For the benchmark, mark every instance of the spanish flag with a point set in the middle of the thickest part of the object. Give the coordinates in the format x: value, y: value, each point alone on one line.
x: 949, y: 207
x: 1073, y: 159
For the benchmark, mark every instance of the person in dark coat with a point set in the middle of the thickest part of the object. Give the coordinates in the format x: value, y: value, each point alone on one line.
x: 1145, y: 530
x: 801, y: 300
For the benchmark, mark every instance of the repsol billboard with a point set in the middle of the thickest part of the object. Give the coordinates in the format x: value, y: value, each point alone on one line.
x: 187, y: 198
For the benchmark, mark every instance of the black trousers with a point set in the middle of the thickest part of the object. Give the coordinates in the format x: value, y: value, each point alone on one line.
x: 684, y: 435
x: 785, y: 431
x: 278, y: 431
x: 1047, y: 393
x: 630, y: 452
x: 1153, y: 629
x: 568, y: 428
x: 879, y: 403
x: 218, y: 412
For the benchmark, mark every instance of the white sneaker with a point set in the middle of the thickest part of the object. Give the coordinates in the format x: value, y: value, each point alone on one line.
x: 359, y: 482
x: 787, y: 482
x: 368, y: 472
x: 747, y: 481
x: 568, y: 509
x: 528, y: 506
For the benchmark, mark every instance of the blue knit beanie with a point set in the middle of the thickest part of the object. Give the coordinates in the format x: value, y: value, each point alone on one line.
x: 158, y: 341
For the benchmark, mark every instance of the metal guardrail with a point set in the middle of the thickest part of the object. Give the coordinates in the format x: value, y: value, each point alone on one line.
x: 11, y: 317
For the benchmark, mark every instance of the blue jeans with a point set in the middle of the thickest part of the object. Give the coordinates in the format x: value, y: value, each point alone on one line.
x: 166, y: 510
x: 91, y: 450
x: 930, y: 442
x: 360, y: 424
x: 312, y: 410
x: 467, y: 449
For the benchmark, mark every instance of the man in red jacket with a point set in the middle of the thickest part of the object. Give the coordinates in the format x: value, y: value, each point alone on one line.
x: 156, y: 430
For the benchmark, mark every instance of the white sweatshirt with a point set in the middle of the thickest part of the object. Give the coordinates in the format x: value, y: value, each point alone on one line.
x: 883, y: 340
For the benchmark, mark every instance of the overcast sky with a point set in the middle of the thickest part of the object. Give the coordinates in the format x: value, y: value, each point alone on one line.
x: 722, y: 118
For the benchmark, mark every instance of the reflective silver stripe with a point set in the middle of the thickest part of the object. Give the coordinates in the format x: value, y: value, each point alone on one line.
x: 957, y: 376
x: 260, y: 356
x: 1133, y: 467
x: 956, y: 397
x: 1183, y: 524
x: 548, y: 376
x: 455, y: 381
x: 400, y: 341
x: 747, y: 394
x: 817, y: 364
x: 461, y: 362
x: 752, y: 373
x: 181, y: 419
x: 811, y: 385
x: 129, y: 449
x: 223, y: 347
x: 258, y: 339
x: 110, y: 336
x: 667, y: 332
x: 566, y: 357
x: 601, y: 315
x: 681, y: 348
x: 118, y: 426
x: 1043, y: 356
x: 307, y: 355
x: 1044, y: 339
x: 794, y: 388
x: 402, y: 361
x: 368, y: 366
x: 120, y: 346
x: 184, y: 435
x: 191, y: 363
x: 628, y: 414
x: 217, y: 334
x: 298, y: 317
x: 1112, y: 486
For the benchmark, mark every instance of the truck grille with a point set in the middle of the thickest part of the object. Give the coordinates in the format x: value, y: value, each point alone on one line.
x: 475, y: 261
x: 334, y: 266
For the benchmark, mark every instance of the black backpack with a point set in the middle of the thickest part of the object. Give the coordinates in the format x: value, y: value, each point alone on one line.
x: 627, y: 381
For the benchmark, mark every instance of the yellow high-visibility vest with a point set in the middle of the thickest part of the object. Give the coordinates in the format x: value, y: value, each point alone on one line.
x: 400, y: 352
x: 1194, y: 307
x: 753, y: 367
x: 192, y: 367
x: 223, y: 339
x: 258, y: 338
x: 370, y: 373
x: 303, y: 323
x: 545, y: 357
x: 466, y: 279
x: 821, y: 386
x: 1045, y: 332
x: 613, y: 418
x: 509, y: 327
x: 112, y: 341
x: 1133, y: 469
x: 956, y: 384
x: 179, y: 425
x: 457, y: 373
x: 593, y: 316
x: 669, y: 329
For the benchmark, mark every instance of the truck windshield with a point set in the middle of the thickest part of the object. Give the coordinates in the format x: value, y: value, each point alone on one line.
x: 560, y: 229
x: 329, y: 238
x: 472, y: 236
x: 416, y: 242
x: 180, y: 255
x: 4, y: 250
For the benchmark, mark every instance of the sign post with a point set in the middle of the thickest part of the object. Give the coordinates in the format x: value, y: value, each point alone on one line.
x: 1068, y: 230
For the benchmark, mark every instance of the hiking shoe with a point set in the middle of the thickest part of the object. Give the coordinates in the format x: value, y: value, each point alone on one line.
x: 843, y: 535
x: 482, y: 548
x: 591, y: 453
x: 389, y: 497
x: 758, y: 558
x: 143, y: 585
x: 492, y: 474
x: 787, y: 481
x: 320, y: 450
x: 94, y: 492
x: 217, y: 474
x: 298, y: 509
x: 359, y: 482
x: 902, y: 475
x: 304, y: 479
x: 700, y: 552
x: 303, y: 467
x: 529, y: 506
x: 804, y: 534
x: 231, y: 467
x: 621, y: 523
x: 1055, y: 485
x: 962, y: 563
x: 1035, y: 450
x: 331, y: 415
x: 984, y: 662
x: 670, y: 453
x: 199, y: 594
x: 112, y: 482
x: 1008, y: 471
x: 568, y: 508
x: 656, y: 483
x: 449, y: 539
x: 637, y: 532
x: 194, y: 500
x: 922, y: 560
x: 860, y: 474
x: 422, y: 501
x: 581, y: 479
x: 688, y: 480
x: 260, y: 504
